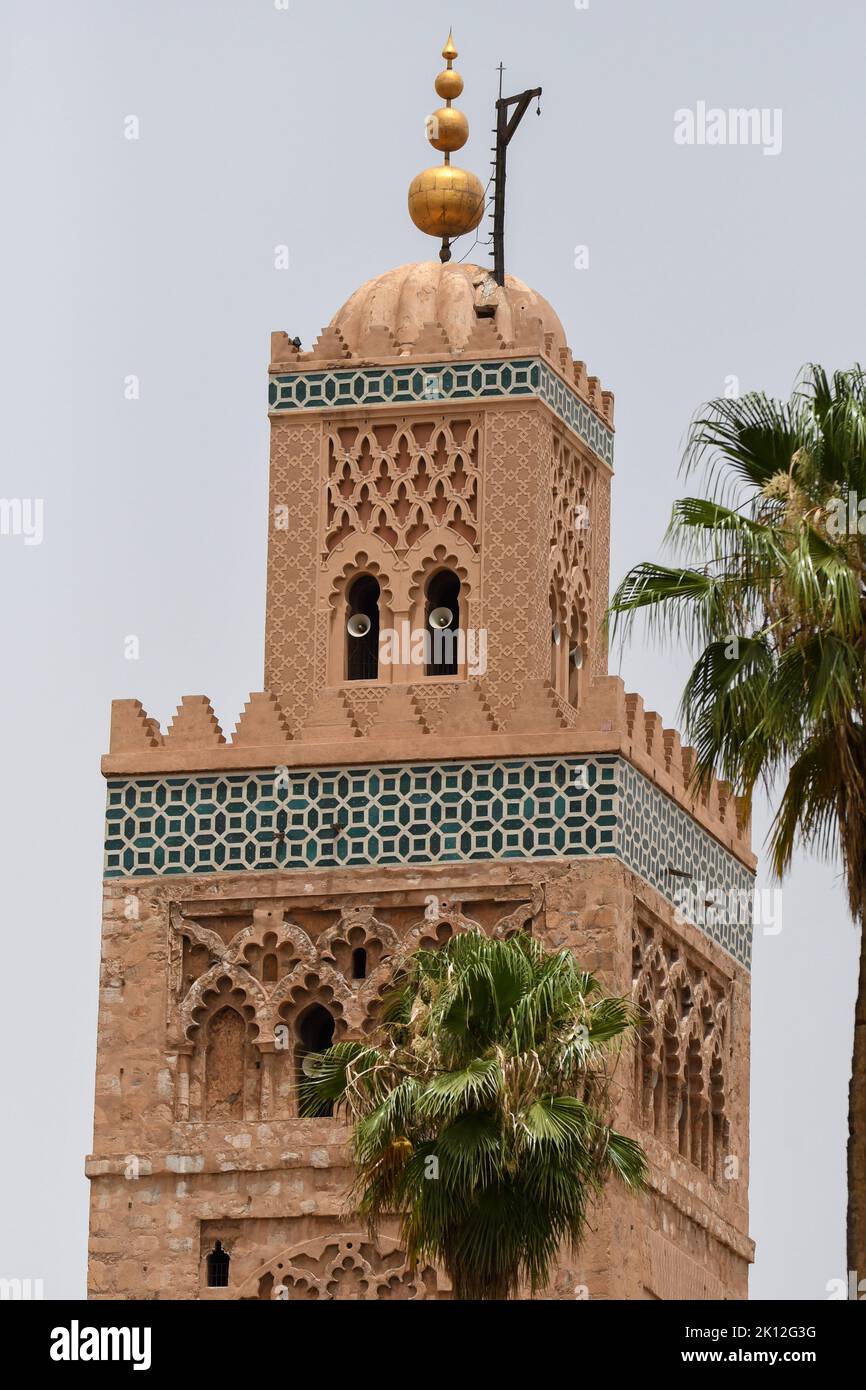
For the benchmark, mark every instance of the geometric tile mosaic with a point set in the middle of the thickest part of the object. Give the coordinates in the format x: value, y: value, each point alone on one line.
x: 442, y: 381
x: 427, y: 813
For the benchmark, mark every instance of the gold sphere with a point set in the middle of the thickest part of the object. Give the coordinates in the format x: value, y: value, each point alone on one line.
x: 449, y: 84
x: 447, y: 129
x: 444, y: 201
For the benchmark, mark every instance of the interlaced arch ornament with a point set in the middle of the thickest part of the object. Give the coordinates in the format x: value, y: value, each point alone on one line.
x: 359, y: 930
x: 442, y: 919
x: 522, y: 919
x: 268, y: 972
x: 222, y: 984
x: 398, y: 481
x: 272, y: 973
x: 434, y: 558
x: 683, y: 1051
x: 571, y: 552
x: 323, y: 986
x: 345, y: 1266
x: 359, y: 562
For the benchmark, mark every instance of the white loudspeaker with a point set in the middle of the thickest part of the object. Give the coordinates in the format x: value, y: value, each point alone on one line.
x: 441, y: 617
x: 359, y: 625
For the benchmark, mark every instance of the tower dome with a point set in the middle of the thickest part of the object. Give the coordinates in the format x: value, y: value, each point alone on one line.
x: 453, y: 295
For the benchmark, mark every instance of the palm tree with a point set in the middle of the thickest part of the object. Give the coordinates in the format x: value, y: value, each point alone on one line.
x: 481, y: 1110
x: 770, y: 594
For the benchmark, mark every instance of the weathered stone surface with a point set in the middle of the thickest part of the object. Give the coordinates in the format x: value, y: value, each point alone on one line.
x: 168, y: 1179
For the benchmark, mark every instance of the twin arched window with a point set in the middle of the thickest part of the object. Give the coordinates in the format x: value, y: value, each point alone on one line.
x: 441, y: 627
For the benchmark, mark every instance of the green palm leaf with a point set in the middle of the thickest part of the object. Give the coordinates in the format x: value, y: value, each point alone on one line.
x: 771, y: 597
x: 481, y: 1114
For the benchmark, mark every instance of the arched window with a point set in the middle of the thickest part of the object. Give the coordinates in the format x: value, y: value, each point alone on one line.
x: 575, y: 665
x: 224, y: 1066
x: 359, y: 963
x: 443, y: 621
x: 362, y: 630
x: 315, y: 1030
x: 577, y: 648
x: 558, y: 645
x: 218, y: 1267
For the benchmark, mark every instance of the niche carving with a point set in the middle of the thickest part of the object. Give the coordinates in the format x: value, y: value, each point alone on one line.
x: 683, y: 1050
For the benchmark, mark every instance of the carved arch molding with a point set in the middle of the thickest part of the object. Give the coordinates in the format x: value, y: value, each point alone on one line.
x: 346, y: 1266
x: 684, y: 1057
x: 240, y: 989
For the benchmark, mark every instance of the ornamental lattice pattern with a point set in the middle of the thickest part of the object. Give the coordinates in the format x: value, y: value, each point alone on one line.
x: 347, y: 1265
x: 572, y: 507
x: 517, y: 464
x: 290, y: 665
x: 400, y: 482
x: 435, y: 813
x: 601, y: 574
x: 239, y: 994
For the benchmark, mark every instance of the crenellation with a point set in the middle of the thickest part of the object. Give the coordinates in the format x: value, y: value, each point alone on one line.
x: 194, y: 725
x: 529, y: 333
x: 673, y: 755
x: 285, y: 352
x: 484, y: 339
x: 432, y: 341
x: 336, y: 730
x: 131, y: 728
x: 381, y: 343
x: 654, y: 735
x: 635, y: 715
x: 262, y: 722
x: 724, y: 790
x: 330, y: 346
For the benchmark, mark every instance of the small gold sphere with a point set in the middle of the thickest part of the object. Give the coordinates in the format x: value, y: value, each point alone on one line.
x: 447, y: 129
x: 449, y: 84
x: 444, y: 201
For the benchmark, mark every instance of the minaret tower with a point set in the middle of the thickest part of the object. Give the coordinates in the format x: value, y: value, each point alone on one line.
x: 438, y: 746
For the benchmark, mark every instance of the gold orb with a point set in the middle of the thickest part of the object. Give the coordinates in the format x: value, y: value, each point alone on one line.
x: 447, y: 129
x: 444, y: 201
x: 449, y: 84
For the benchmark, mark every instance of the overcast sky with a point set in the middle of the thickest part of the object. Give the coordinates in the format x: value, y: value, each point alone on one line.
x: 263, y: 125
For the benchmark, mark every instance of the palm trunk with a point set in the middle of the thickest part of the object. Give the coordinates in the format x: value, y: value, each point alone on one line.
x: 857, y: 1129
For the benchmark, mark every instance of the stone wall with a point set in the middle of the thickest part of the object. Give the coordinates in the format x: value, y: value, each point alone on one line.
x: 167, y: 1181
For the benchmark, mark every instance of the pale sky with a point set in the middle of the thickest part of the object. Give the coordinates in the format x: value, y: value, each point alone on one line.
x: 262, y: 126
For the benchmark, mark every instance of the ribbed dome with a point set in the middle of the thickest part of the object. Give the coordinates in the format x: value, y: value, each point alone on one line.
x: 407, y: 298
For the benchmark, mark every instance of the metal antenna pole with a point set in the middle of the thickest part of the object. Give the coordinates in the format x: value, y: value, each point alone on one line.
x: 505, y: 129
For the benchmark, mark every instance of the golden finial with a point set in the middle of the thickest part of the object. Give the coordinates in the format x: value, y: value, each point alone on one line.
x: 443, y: 201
